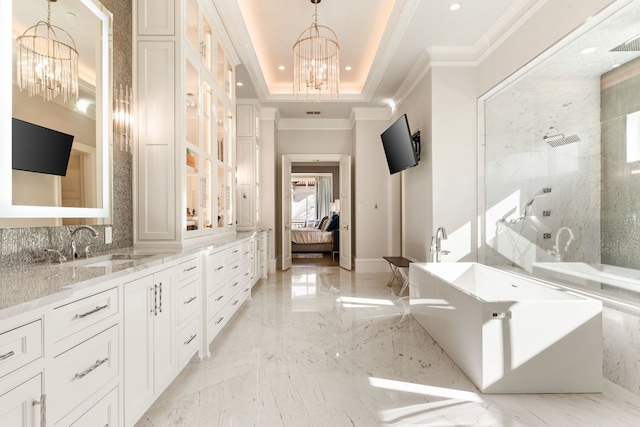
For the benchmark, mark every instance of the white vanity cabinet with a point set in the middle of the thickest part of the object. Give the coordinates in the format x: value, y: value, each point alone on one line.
x: 82, y: 337
x: 17, y: 406
x: 21, y: 391
x: 184, y: 77
x: 187, y: 301
x: 149, y: 336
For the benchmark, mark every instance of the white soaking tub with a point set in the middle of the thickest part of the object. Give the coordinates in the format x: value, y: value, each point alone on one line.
x: 509, y: 333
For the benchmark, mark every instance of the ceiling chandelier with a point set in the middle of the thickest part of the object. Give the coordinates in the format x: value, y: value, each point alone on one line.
x: 47, y: 66
x: 316, y: 62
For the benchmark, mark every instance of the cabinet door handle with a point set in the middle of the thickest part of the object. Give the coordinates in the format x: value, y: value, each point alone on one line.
x: 219, y: 298
x: 43, y: 409
x: 89, y: 313
x: 234, y: 285
x: 190, y: 300
x: 191, y: 338
x: 219, y: 320
x: 236, y: 251
x: 91, y: 368
x: 193, y: 267
x: 154, y: 310
x: 235, y: 302
x: 235, y: 266
x: 220, y: 268
x: 7, y: 355
x: 160, y: 297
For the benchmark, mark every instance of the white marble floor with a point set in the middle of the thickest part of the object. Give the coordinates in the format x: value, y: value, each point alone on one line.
x: 328, y: 347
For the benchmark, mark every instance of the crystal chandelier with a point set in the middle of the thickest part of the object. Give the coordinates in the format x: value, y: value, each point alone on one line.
x: 47, y: 66
x: 316, y: 62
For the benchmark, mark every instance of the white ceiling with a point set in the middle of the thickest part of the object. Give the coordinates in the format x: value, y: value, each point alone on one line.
x: 382, y: 40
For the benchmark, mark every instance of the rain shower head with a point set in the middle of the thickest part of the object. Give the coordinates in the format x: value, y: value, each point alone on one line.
x: 560, y: 139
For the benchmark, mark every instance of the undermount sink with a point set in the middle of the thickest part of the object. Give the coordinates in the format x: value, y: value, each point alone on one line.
x: 108, y: 260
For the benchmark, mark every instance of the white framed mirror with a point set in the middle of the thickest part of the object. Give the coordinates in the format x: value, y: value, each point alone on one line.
x: 83, y: 188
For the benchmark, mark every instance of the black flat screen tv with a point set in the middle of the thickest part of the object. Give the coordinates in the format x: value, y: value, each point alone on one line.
x: 39, y: 149
x: 400, y: 148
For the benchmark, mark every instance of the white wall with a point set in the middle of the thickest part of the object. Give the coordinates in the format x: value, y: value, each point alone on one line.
x: 375, y: 232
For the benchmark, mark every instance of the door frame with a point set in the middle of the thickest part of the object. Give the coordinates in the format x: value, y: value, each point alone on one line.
x: 345, y: 185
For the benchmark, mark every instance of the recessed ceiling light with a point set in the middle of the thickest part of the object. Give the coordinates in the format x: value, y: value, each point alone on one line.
x: 239, y: 84
x: 588, y: 50
x: 281, y: 67
x: 454, y: 6
x: 347, y: 68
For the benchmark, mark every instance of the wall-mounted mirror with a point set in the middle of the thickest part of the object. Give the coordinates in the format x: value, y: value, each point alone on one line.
x: 35, y: 192
x: 561, y: 148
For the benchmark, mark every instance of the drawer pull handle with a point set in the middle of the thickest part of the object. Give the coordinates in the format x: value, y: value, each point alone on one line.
x: 190, y: 300
x: 219, y: 320
x: 193, y: 267
x: 220, y: 268
x: 219, y: 298
x: 43, y: 410
x: 91, y: 368
x: 89, y: 313
x: 246, y: 274
x: 246, y: 290
x: 234, y: 285
x: 235, y: 302
x: 7, y: 355
x: 235, y: 266
x: 191, y: 338
x: 236, y: 251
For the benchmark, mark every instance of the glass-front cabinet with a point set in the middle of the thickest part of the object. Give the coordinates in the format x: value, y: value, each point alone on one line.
x: 186, y: 166
x: 208, y: 129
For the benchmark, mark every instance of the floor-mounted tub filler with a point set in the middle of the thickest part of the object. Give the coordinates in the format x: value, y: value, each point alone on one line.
x: 507, y: 332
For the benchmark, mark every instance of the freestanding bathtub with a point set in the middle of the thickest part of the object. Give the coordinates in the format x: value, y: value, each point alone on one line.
x: 507, y: 332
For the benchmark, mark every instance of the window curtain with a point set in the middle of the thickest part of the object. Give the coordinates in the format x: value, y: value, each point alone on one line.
x: 324, y: 195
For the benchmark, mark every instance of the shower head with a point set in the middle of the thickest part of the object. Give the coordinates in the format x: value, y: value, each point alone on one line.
x: 560, y: 139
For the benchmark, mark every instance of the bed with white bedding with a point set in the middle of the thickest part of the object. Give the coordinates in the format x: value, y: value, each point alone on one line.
x: 311, y: 240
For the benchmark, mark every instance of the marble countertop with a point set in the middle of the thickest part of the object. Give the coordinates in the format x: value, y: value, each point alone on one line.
x: 32, y: 286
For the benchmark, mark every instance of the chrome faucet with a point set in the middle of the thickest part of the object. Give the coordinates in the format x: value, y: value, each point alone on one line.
x: 557, y: 254
x: 74, y: 250
x: 436, y: 244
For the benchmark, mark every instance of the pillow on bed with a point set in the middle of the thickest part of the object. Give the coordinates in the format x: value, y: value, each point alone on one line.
x: 334, y: 224
x: 322, y: 222
x: 326, y: 225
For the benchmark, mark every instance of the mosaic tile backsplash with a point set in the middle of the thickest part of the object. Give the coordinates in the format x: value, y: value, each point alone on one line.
x: 20, y: 246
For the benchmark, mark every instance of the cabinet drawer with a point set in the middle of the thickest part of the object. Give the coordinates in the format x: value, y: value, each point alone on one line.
x: 215, y: 270
x: 73, y: 317
x: 232, y: 252
x: 188, y: 341
x: 217, y: 300
x: 233, y: 267
x: 216, y: 323
x: 79, y: 372
x: 103, y: 413
x: 188, y: 269
x: 187, y: 301
x: 20, y: 346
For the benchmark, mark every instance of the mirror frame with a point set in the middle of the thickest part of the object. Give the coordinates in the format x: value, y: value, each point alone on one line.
x: 104, y: 123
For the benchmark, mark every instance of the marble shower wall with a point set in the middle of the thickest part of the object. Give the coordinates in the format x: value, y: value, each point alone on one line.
x: 519, y: 165
x: 620, y: 179
x: 26, y: 245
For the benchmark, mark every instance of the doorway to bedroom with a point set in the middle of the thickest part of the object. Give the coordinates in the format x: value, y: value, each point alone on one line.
x: 341, y: 242
x: 315, y: 210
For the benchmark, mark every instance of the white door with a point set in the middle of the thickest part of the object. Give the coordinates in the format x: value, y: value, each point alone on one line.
x: 164, y: 363
x: 345, y: 212
x: 286, y: 212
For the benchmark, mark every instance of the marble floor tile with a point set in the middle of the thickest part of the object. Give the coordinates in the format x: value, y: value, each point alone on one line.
x: 327, y: 347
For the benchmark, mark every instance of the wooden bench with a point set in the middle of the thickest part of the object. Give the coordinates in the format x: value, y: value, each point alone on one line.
x: 399, y: 271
